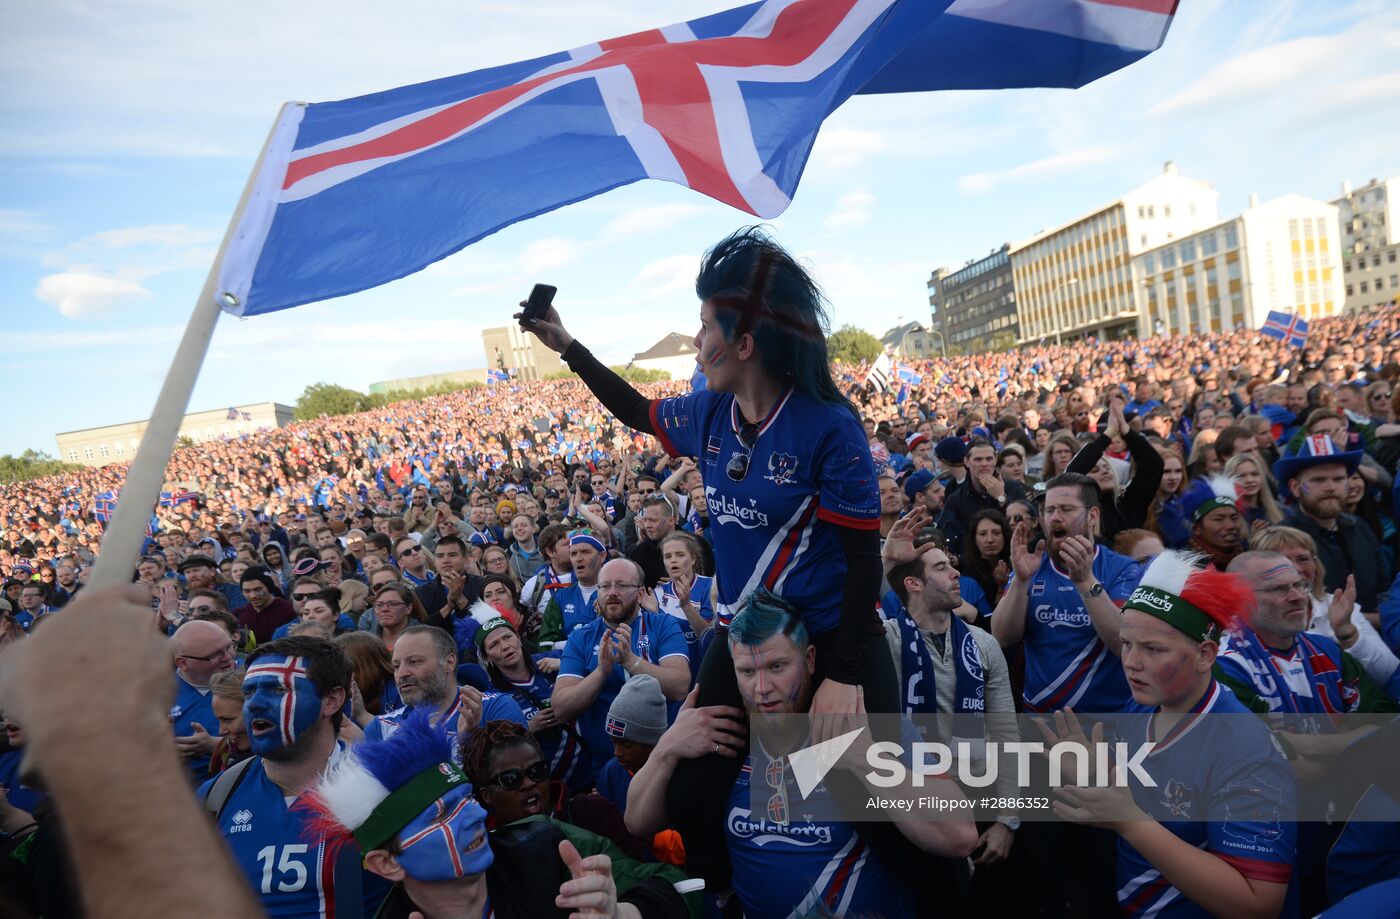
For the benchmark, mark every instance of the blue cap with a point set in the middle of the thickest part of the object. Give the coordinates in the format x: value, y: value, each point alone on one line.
x: 917, y: 482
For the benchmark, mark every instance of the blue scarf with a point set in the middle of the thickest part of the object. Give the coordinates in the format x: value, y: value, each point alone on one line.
x: 919, y: 693
x: 1321, y: 666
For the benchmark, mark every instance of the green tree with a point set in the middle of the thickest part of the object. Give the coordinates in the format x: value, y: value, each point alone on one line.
x: 641, y: 374
x: 31, y: 464
x: 328, y: 399
x: 851, y: 345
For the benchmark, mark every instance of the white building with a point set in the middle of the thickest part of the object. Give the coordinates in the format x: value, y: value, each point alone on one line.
x: 117, y: 443
x: 1281, y: 255
x: 1370, y: 243
x: 674, y: 354
x: 1077, y: 279
x: 912, y: 340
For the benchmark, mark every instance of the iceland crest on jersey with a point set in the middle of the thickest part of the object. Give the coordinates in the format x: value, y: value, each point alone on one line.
x: 781, y: 466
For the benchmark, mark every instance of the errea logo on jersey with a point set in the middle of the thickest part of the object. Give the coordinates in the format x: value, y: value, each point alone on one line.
x: 725, y: 509
x: 242, y: 822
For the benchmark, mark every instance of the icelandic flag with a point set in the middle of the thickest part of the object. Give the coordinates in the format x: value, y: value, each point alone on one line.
x: 496, y: 376
x: 1292, y: 329
x: 356, y: 193
x: 176, y: 498
x: 903, y: 394
x: 908, y: 375
x: 104, y: 506
x: 232, y: 413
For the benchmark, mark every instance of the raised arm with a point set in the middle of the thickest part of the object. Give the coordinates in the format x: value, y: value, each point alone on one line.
x: 617, y: 395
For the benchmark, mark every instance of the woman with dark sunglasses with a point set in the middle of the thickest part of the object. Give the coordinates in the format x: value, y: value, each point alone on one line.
x: 789, y: 481
x: 510, y: 776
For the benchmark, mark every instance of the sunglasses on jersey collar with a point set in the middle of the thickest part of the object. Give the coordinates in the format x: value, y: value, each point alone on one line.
x: 738, y: 465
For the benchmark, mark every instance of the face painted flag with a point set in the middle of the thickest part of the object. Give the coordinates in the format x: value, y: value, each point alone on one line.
x: 1289, y: 328
x: 355, y: 193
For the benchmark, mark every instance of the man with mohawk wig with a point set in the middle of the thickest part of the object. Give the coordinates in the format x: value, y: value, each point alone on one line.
x: 409, y: 808
x: 1213, y: 836
x: 1210, y: 505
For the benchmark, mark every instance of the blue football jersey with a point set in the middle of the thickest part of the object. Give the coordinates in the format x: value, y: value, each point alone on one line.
x: 1066, y: 662
x: 670, y: 604
x: 193, y: 707
x: 495, y: 706
x: 784, y: 866
x: 1223, y: 786
x: 655, y: 636
x: 809, y: 471
x: 568, y: 762
x: 577, y: 605
x: 286, y: 863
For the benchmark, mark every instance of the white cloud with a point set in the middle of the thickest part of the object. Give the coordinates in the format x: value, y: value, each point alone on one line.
x: 166, y: 234
x: 852, y: 210
x: 669, y: 275
x: 1342, y: 63
x: 653, y: 219
x: 978, y: 183
x: 84, y: 296
x: 547, y: 254
x: 842, y: 149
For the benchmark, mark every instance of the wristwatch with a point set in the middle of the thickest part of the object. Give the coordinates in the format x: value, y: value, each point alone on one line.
x: 1096, y: 590
x: 1011, y: 823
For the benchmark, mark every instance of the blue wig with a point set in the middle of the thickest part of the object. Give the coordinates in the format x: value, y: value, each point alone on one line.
x: 415, y: 746
x: 755, y: 286
x: 764, y: 615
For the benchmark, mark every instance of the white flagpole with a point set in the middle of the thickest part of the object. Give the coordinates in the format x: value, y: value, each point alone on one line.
x: 127, y: 529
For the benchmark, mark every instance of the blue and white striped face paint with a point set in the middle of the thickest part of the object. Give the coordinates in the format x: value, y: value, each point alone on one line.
x: 280, y: 703
x: 448, y: 840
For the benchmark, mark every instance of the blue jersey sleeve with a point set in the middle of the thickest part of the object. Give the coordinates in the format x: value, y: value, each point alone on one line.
x: 670, y: 640
x: 374, y: 731
x: 848, y: 494
x: 681, y: 421
x: 1251, y: 820
x: 972, y: 592
x: 576, y: 654
x: 1120, y: 575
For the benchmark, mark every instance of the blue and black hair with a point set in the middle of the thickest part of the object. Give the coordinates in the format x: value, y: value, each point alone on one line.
x: 755, y: 286
x: 764, y: 615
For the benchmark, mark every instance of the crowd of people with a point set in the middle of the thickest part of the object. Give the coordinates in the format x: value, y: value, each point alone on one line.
x: 494, y: 652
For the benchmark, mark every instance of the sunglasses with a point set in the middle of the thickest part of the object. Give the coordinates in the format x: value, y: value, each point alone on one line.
x: 306, y: 596
x: 738, y: 465
x: 511, y: 779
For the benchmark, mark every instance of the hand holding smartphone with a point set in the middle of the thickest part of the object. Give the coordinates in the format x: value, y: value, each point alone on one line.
x: 541, y: 299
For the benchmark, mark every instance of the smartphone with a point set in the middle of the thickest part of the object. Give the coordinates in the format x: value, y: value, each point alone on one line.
x: 541, y: 298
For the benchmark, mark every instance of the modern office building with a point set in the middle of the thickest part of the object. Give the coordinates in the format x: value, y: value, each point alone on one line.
x: 117, y: 443
x: 1281, y: 255
x: 1077, y: 279
x: 979, y: 304
x: 1370, y: 243
x: 509, y: 348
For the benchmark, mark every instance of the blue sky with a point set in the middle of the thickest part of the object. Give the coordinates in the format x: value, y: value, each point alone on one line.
x: 127, y: 131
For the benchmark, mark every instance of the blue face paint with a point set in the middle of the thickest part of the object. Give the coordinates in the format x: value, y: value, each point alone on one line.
x: 448, y: 840
x: 279, y: 703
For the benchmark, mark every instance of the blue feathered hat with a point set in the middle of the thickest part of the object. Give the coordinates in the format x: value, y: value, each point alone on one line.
x: 379, y: 787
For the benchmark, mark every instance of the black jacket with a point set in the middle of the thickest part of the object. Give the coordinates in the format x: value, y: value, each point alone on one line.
x: 1349, y: 549
x: 962, y: 505
x: 1129, y: 510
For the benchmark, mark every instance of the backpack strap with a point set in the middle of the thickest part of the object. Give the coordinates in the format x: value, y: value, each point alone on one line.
x: 223, y: 787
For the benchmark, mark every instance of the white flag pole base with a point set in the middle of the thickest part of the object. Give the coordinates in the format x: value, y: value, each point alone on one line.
x: 126, y: 531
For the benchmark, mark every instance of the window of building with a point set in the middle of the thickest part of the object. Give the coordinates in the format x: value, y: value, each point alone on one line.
x: 72, y: 455
x: 1169, y: 258
x: 1390, y: 256
x: 1349, y: 290
x: 87, y: 452
x: 1232, y: 239
x: 1364, y: 288
x: 1142, y: 239
x: 1188, y: 251
x: 1149, y: 264
x: 1208, y: 245
x: 1394, y: 281
x: 1376, y: 260
x: 1150, y: 214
